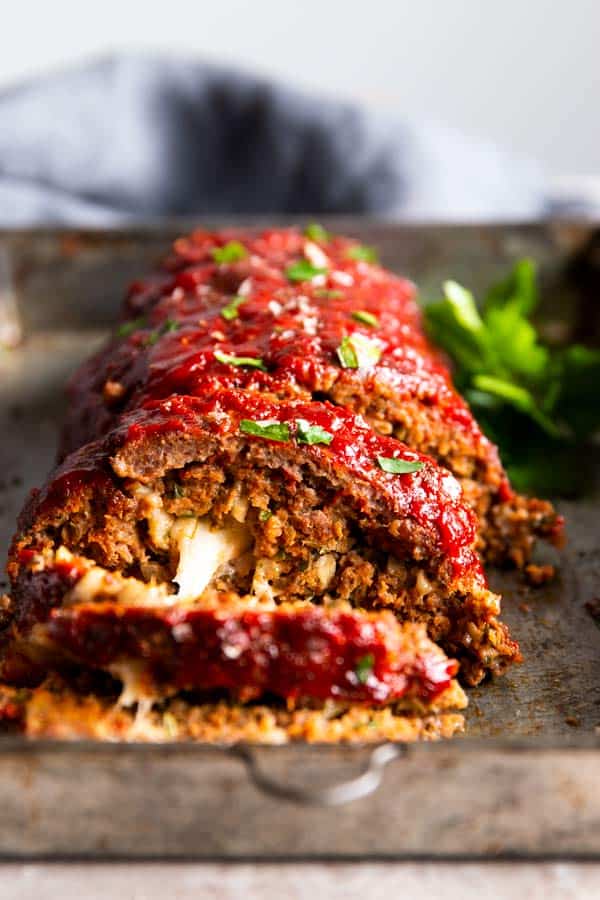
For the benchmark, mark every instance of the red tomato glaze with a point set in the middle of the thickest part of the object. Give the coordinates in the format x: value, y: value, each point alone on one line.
x: 309, y: 652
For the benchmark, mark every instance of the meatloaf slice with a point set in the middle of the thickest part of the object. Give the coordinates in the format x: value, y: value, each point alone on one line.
x: 295, y: 652
x: 297, y: 510
x: 61, y: 710
x: 313, y: 317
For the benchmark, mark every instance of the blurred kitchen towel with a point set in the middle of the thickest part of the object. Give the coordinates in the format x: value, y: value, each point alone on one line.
x: 136, y: 138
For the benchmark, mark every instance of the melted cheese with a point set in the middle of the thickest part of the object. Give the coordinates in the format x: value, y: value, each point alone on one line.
x: 203, y: 550
x: 100, y: 584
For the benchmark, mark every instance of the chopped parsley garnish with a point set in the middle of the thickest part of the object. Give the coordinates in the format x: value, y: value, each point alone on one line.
x: 329, y: 294
x: 178, y: 491
x: 231, y: 360
x: 311, y: 434
x: 264, y: 515
x: 356, y: 351
x: 271, y: 431
x: 303, y: 271
x: 316, y: 232
x: 362, y: 253
x: 127, y: 328
x: 364, y: 668
x: 230, y: 311
x: 399, y: 466
x: 229, y: 253
x: 532, y: 400
x: 168, y: 326
x: 366, y: 318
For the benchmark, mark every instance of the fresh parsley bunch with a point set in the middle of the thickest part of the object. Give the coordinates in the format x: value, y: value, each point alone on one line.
x: 537, y: 403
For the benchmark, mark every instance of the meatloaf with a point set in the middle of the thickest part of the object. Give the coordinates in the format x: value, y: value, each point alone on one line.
x: 255, y: 545
x: 309, y: 316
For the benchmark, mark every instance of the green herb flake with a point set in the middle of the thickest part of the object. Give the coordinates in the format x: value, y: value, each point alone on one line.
x: 230, y: 311
x: 327, y: 294
x: 229, y: 253
x: 178, y: 491
x: 362, y: 253
x: 303, y: 271
x: 365, y: 318
x: 316, y: 232
x: 264, y: 515
x: 128, y: 328
x: 167, y: 327
x: 231, y: 360
x: 395, y: 466
x: 356, y: 351
x: 364, y: 668
x: 311, y: 434
x: 270, y: 431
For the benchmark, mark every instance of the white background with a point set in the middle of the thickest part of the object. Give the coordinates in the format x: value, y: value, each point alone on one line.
x: 524, y: 73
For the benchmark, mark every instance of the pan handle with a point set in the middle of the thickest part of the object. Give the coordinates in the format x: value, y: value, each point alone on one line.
x: 332, y: 795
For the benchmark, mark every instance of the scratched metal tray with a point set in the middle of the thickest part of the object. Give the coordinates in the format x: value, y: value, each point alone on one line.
x: 525, y: 779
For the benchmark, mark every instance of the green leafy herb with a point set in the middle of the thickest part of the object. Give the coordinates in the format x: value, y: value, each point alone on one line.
x: 271, y: 431
x: 532, y: 400
x: 229, y: 253
x: 356, y: 351
x: 230, y: 311
x: 399, y: 466
x: 362, y: 253
x: 264, y: 515
x: 316, y: 232
x: 168, y: 326
x: 303, y: 271
x: 311, y: 434
x: 364, y: 668
x: 178, y: 491
x: 231, y: 360
x: 517, y: 396
x: 128, y: 328
x: 366, y: 318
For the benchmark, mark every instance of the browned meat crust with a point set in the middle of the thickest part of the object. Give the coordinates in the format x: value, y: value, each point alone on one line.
x: 57, y: 711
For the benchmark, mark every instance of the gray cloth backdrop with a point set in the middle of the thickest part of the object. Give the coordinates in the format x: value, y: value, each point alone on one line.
x: 136, y: 138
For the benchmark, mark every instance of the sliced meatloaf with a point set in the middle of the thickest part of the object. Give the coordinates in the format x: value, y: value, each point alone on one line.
x: 62, y: 710
x: 313, y: 317
x: 257, y: 546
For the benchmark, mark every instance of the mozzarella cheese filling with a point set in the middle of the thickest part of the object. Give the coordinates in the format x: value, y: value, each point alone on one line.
x: 202, y: 550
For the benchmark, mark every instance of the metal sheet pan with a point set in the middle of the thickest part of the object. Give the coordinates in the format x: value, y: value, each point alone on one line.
x: 525, y: 779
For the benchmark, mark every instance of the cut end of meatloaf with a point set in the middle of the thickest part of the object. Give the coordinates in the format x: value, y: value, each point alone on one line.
x: 57, y: 711
x: 181, y: 512
x: 156, y: 647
